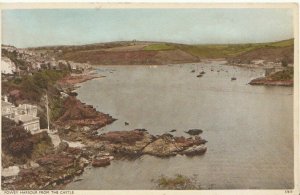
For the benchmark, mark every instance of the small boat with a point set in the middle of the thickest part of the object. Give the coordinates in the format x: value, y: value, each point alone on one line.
x: 233, y: 78
x: 202, y: 72
x: 199, y: 75
x: 193, y: 71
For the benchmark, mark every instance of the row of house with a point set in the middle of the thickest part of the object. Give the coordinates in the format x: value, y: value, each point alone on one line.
x: 25, y: 113
x: 36, y: 61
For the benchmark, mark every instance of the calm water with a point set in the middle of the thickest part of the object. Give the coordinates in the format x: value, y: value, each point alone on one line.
x: 249, y: 129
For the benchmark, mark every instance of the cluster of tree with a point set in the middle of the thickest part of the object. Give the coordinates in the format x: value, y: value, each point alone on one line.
x: 19, y: 145
x: 33, y: 88
x: 13, y: 56
x: 16, y: 141
x: 285, y: 61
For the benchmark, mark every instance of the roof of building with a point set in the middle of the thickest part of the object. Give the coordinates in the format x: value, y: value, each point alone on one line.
x: 3, y: 103
x: 23, y: 106
x: 27, y: 118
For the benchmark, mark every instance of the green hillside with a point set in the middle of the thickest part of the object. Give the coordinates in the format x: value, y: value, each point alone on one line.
x: 218, y: 50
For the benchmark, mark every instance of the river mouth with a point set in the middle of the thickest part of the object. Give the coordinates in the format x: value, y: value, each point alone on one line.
x: 249, y: 129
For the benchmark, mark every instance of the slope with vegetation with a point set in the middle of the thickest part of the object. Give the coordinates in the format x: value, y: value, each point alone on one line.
x: 143, y: 53
x: 32, y: 89
x: 20, y: 146
x: 280, y: 78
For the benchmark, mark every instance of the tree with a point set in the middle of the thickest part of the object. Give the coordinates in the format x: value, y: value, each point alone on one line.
x: 16, y: 141
x: 285, y: 61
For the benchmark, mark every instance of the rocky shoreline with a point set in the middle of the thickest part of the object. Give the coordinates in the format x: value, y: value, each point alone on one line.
x: 81, y: 123
x: 266, y: 81
x: 78, y: 78
x: 55, y: 170
x: 284, y: 77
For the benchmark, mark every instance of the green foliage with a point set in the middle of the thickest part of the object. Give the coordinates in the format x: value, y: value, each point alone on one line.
x: 217, y: 50
x: 30, y: 89
x: 56, y: 108
x: 231, y: 50
x: 159, y: 47
x: 43, y: 118
x: 284, y: 43
x: 179, y: 182
x: 19, y: 145
x: 285, y: 61
x: 41, y: 148
x: 16, y: 141
x: 14, y: 58
x: 287, y: 74
x: 42, y: 145
x: 17, y: 81
x: 33, y: 87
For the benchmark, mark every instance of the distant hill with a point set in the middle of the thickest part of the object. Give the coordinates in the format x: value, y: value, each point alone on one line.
x: 143, y: 52
x: 275, y: 52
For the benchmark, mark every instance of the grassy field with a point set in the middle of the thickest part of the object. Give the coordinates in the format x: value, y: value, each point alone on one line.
x: 218, y: 50
x: 151, y: 52
x: 159, y: 47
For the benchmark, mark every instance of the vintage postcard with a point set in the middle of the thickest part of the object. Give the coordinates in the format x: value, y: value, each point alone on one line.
x: 152, y: 98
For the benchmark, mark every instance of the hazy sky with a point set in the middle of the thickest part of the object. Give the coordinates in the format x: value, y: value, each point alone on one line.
x: 27, y: 28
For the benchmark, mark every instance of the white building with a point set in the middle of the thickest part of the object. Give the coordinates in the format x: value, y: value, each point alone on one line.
x: 25, y: 113
x: 7, y: 109
x: 30, y: 123
x: 79, y: 66
x: 7, y: 66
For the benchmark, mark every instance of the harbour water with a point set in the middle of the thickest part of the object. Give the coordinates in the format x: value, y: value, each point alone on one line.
x: 249, y: 129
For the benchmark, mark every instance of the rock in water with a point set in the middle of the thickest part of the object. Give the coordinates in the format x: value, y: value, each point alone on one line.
x: 126, y: 123
x: 163, y: 146
x: 195, y: 150
x: 101, y: 162
x: 142, y: 130
x: 173, y: 130
x: 194, y: 131
x: 135, y: 143
x: 74, y: 94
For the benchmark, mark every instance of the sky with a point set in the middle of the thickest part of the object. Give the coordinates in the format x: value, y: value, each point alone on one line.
x: 31, y: 28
